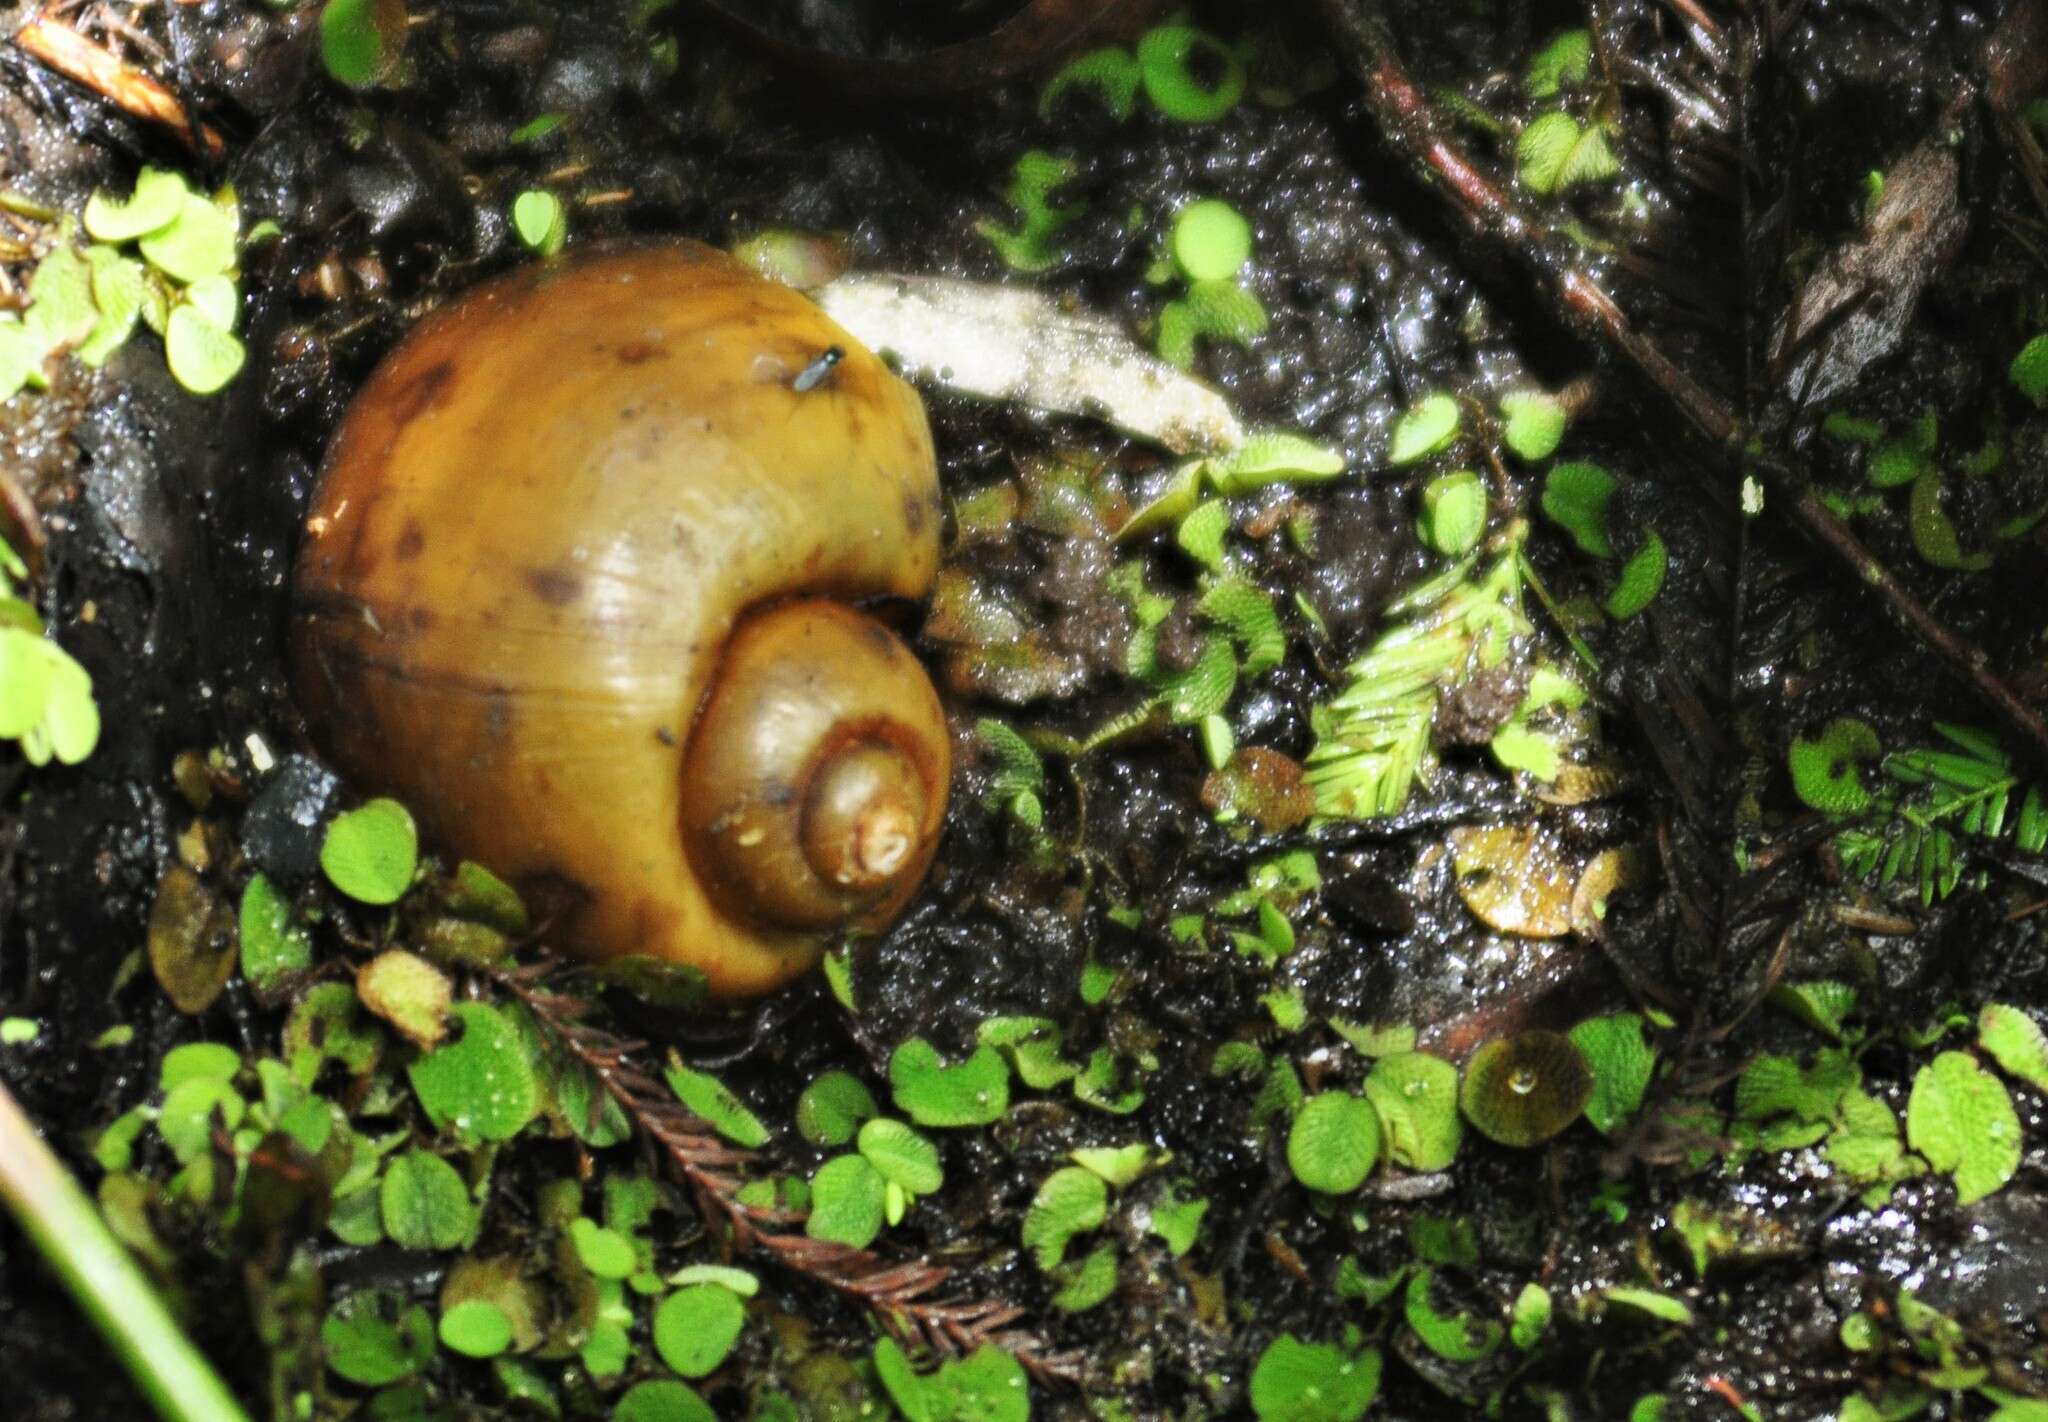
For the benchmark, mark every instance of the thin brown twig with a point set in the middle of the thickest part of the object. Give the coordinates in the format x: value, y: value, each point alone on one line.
x: 17, y: 507
x: 1692, y: 14
x: 71, y: 53
x: 1410, y: 121
x: 111, y: 22
x: 900, y: 1293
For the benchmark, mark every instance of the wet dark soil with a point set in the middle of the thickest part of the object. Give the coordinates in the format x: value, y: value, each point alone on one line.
x: 171, y: 527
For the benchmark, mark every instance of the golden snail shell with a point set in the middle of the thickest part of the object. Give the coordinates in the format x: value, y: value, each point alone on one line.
x: 575, y: 587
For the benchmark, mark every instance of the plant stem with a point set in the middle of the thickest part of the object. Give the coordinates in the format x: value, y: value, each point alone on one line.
x: 64, y: 1223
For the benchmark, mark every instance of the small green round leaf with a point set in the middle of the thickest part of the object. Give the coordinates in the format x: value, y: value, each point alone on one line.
x: 710, y: 1098
x: 1120, y: 1166
x: 1334, y: 1142
x: 1894, y: 463
x: 1454, y: 1337
x: 1425, y: 428
x: 1211, y: 240
x: 1225, y: 310
x: 1934, y: 534
x: 1523, y: 1089
x: 974, y: 1093
x: 21, y: 356
x: 159, y: 195
x: 1650, y: 1304
x: 272, y: 945
x: 1961, y: 1118
x: 1453, y: 512
x: 915, y: 1395
x: 483, y: 1082
x: 1543, y: 150
x: 539, y: 219
x: 1416, y: 1096
x: 191, y: 1112
x: 2016, y: 1042
x: 1567, y: 58
x: 361, y: 40
x: 903, y: 1157
x: 1576, y: 494
x: 846, y: 1202
x: 608, y: 1348
x: 2030, y: 370
x: 117, y: 293
x: 71, y: 718
x: 1824, y: 773
x: 479, y: 895
x: 1621, y: 1062
x: 476, y: 1328
x: 373, y: 1339
x: 1529, y: 1319
x: 370, y: 852
x: 1642, y: 578
x: 1556, y: 151
x: 1071, y: 1201
x: 217, y: 299
x: 988, y: 1385
x: 1533, y: 423
x: 1088, y: 1283
x: 832, y: 1108
x: 605, y: 1252
x: 198, y: 1061
x: 1295, y: 1381
x: 26, y: 671
x: 696, y: 1327
x: 198, y: 243
x: 662, y: 1400
x: 738, y: 1280
x: 60, y: 290
x: 424, y: 1203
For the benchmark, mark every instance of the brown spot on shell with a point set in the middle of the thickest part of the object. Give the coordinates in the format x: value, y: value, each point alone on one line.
x: 553, y: 586
x: 500, y: 715
x: 426, y: 390
x: 653, y: 922
x: 411, y: 541
x: 638, y: 352
x: 883, y: 640
x: 914, y: 513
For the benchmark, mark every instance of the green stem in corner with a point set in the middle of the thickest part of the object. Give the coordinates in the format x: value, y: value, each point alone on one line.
x: 64, y: 1223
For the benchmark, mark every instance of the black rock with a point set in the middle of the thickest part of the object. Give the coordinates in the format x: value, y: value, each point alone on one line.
x: 282, y: 830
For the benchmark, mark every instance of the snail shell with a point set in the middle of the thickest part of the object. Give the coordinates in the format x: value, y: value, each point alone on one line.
x: 576, y: 586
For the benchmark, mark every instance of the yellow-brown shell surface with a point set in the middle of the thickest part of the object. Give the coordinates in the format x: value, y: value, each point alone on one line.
x: 537, y: 528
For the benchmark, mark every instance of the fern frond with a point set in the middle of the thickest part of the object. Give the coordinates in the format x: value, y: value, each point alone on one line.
x: 1941, y: 799
x: 1372, y: 739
